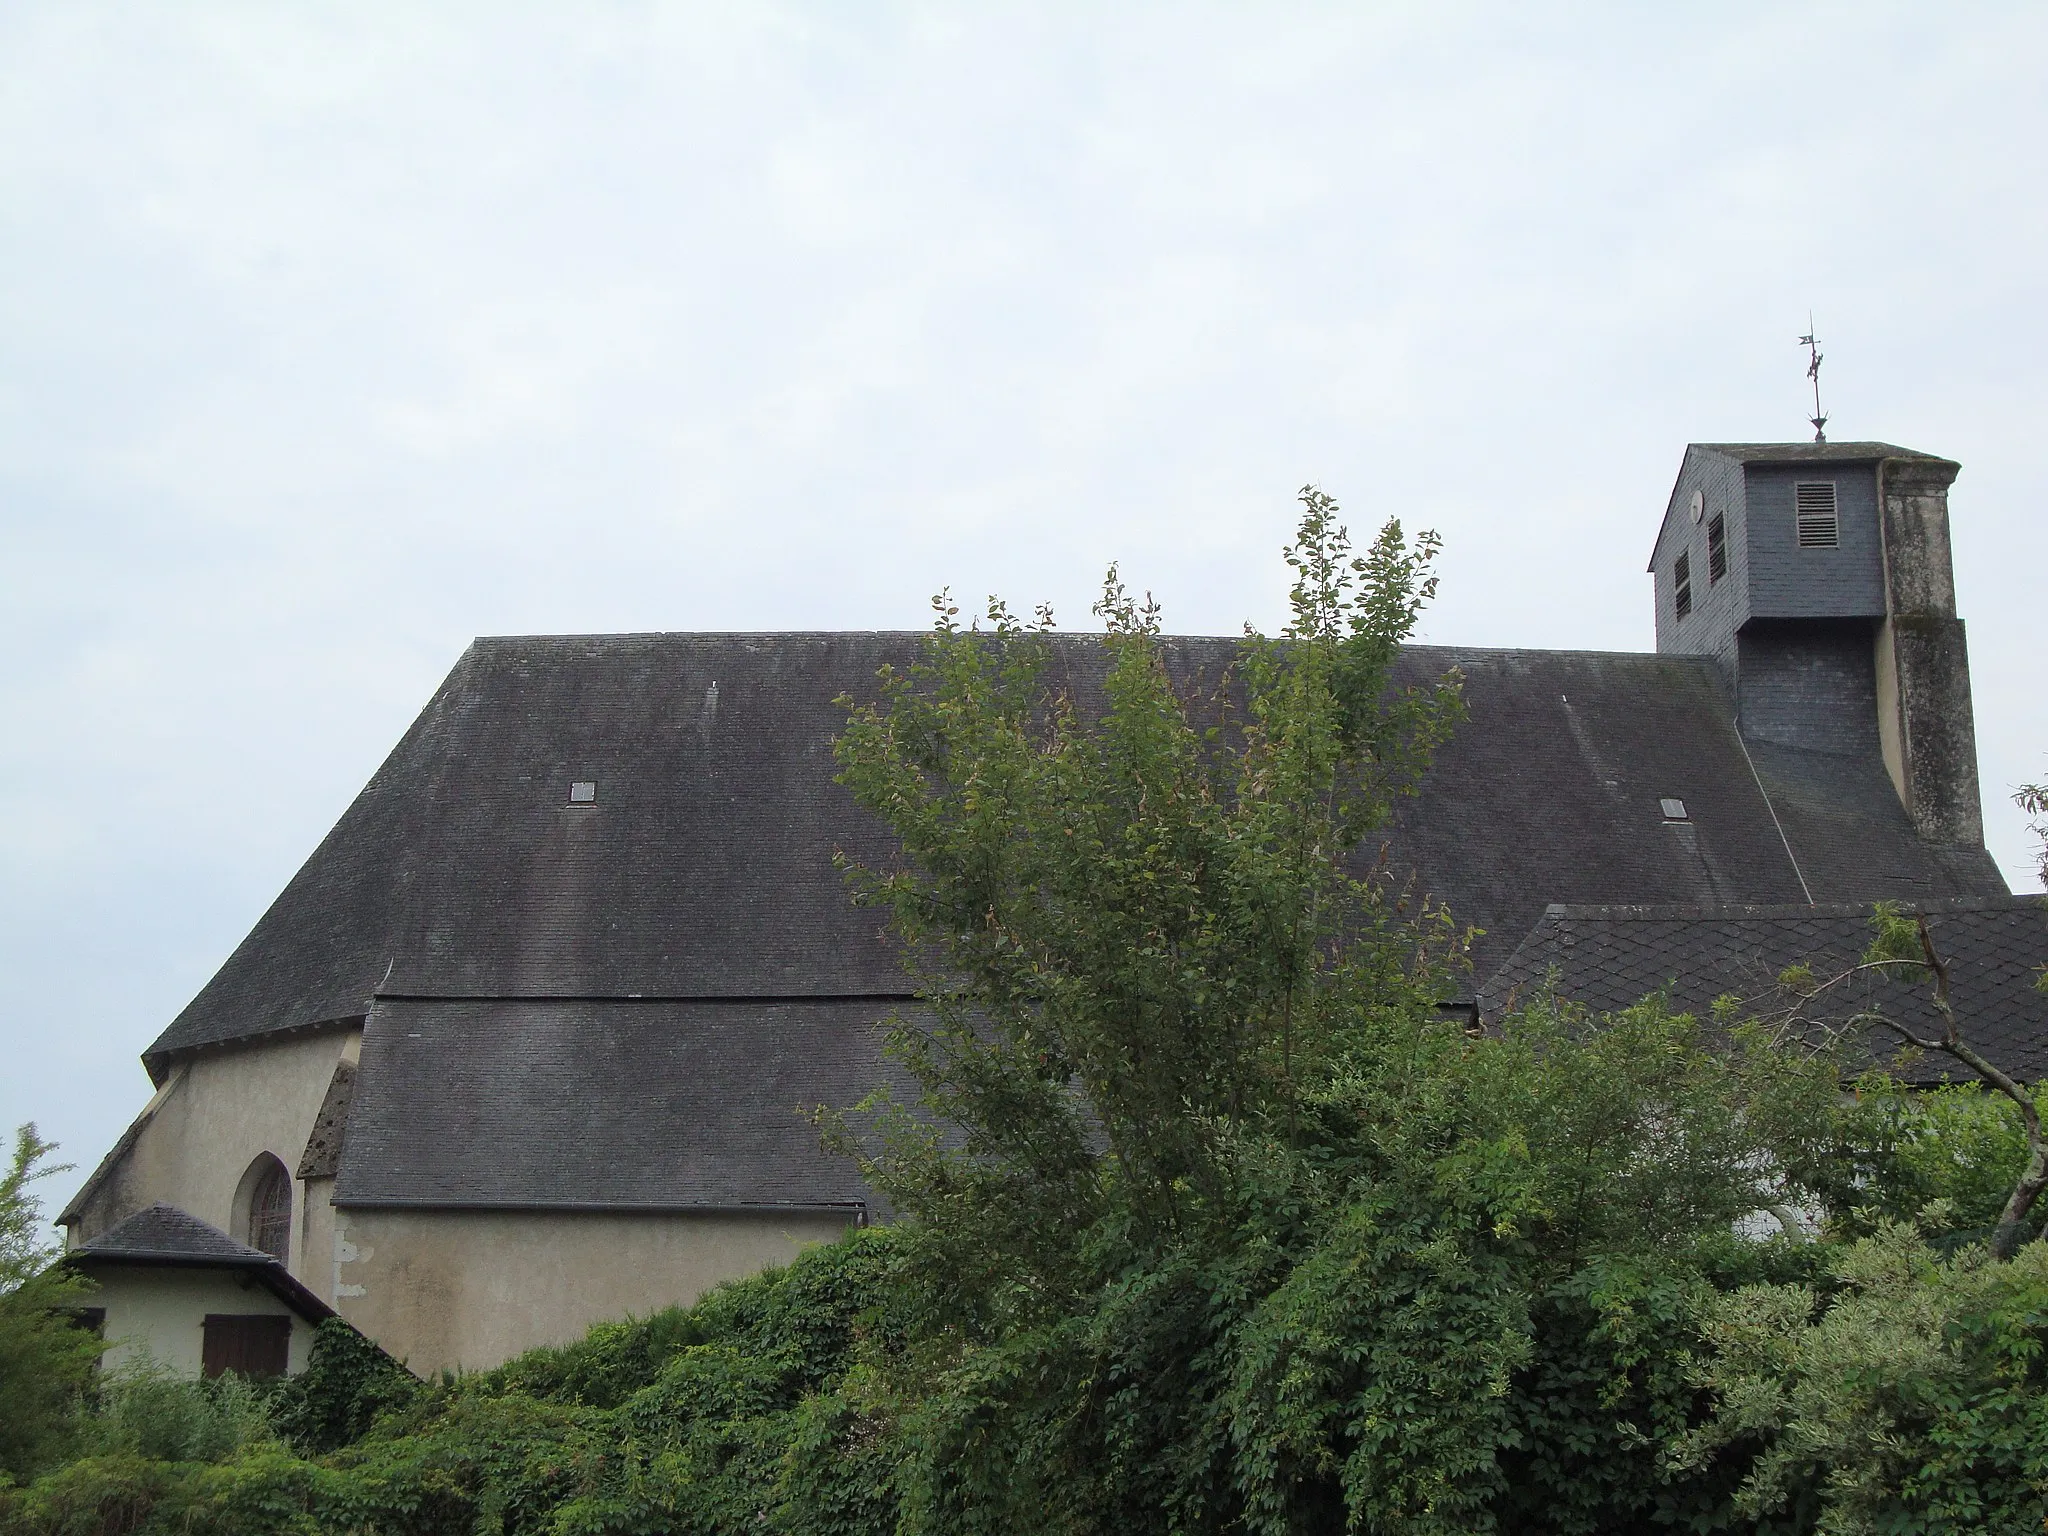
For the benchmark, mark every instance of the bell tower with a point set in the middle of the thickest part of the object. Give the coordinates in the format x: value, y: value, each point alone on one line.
x: 1818, y: 575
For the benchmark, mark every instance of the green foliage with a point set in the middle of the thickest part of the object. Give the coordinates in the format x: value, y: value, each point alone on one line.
x: 347, y: 1383
x: 146, y: 1410
x: 715, y: 1419
x: 2033, y: 799
x: 46, y: 1365
x: 25, y: 1249
x: 1130, y: 910
x: 46, y: 1358
x: 1904, y: 1150
x: 1911, y: 1399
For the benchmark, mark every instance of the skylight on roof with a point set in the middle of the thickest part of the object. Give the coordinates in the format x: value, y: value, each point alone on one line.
x: 583, y: 792
x: 1674, y: 810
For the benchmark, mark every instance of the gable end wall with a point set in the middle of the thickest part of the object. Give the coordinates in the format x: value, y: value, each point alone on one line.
x: 1719, y: 607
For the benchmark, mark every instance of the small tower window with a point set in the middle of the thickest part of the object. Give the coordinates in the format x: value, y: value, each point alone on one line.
x: 1717, y: 548
x: 1819, y: 527
x: 1681, y: 582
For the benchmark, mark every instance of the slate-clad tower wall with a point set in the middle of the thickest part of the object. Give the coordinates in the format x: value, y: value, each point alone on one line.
x: 1818, y: 576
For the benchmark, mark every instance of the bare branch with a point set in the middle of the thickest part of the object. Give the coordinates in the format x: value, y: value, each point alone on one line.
x: 1905, y: 1034
x: 2033, y: 1181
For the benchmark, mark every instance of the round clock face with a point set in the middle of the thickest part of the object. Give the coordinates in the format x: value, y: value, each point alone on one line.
x: 1699, y: 505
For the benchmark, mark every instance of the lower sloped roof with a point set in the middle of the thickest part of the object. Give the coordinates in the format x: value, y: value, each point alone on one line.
x: 165, y: 1237
x: 613, y: 1105
x: 164, y: 1234
x: 1605, y: 958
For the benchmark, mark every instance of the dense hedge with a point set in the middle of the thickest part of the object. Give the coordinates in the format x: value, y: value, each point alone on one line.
x: 713, y: 1418
x: 764, y: 1409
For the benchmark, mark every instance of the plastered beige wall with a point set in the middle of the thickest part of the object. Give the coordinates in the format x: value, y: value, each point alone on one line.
x: 211, y: 1119
x: 161, y: 1313
x: 314, y: 1238
x: 471, y: 1289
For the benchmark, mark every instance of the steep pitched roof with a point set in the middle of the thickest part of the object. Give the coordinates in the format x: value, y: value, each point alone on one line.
x: 1606, y: 958
x: 702, y: 869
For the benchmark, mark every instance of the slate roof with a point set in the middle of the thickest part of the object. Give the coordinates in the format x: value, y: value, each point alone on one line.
x: 624, y: 1001
x: 1814, y: 453
x: 164, y: 1236
x: 1608, y: 957
x: 608, y: 1105
x: 702, y: 869
x: 1552, y: 792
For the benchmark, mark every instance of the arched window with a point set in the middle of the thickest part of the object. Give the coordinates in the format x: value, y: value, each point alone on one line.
x: 267, y: 1207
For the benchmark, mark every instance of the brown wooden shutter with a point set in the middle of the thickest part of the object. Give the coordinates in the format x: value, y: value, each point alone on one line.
x: 252, y: 1346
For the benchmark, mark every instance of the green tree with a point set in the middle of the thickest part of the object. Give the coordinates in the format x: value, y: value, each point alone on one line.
x: 1216, y: 1220
x: 1906, y: 1392
x: 46, y: 1358
x: 1903, y: 950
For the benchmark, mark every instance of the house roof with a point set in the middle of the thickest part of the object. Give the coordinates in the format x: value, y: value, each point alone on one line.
x: 1607, y: 957
x: 593, y: 1104
x: 702, y: 868
x: 163, y: 1236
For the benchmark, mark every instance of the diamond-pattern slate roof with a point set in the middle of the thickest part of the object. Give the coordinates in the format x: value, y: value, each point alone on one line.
x: 1606, y: 958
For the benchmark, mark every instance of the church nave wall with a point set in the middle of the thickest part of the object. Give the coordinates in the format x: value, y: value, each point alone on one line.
x: 472, y: 1288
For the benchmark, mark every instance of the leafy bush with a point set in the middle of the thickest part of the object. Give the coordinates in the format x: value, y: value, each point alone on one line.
x: 148, y: 1411
x: 1908, y: 1150
x: 1912, y: 1398
x: 348, y: 1381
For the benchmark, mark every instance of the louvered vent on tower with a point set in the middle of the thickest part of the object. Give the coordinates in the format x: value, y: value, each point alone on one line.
x: 1819, y: 527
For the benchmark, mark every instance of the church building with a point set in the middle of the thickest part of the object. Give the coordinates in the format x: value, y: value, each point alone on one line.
x: 528, y: 1041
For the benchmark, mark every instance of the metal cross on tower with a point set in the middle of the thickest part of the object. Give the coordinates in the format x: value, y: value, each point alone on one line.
x: 1813, y: 352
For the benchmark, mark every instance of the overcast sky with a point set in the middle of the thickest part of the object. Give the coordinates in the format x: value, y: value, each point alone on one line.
x: 332, y: 336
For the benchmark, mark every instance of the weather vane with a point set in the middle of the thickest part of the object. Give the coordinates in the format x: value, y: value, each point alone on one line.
x: 1820, y: 422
